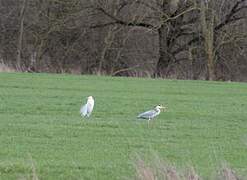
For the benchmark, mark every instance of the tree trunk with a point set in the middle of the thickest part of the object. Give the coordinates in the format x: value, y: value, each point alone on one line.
x: 210, y: 66
x: 164, y: 58
x: 207, y: 23
x: 19, y: 46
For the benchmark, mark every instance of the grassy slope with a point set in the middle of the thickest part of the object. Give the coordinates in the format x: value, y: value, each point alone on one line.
x: 40, y: 123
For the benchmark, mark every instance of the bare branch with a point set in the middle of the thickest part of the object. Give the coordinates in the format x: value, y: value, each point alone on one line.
x: 124, y: 70
x: 228, y: 19
x: 189, y: 43
x: 180, y: 14
x: 148, y: 5
x: 121, y: 22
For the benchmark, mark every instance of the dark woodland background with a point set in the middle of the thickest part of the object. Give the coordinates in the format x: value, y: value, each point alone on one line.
x: 184, y: 39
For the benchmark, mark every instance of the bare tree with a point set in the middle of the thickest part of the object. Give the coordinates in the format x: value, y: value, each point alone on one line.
x: 180, y: 26
x: 160, y: 38
x: 164, y: 18
x: 19, y: 48
x: 216, y: 30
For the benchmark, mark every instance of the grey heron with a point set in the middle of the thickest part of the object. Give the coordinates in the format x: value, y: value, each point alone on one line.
x: 151, y: 113
x: 87, y: 109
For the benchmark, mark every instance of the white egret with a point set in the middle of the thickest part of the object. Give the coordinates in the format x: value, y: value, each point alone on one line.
x: 87, y: 109
x: 151, y: 113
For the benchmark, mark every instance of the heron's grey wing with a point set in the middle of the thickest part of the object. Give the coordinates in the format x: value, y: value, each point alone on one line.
x: 83, y: 110
x: 147, y: 114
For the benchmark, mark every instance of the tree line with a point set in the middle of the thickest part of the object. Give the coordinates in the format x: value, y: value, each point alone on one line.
x: 184, y: 39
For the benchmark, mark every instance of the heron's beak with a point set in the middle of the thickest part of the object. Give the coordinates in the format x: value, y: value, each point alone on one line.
x: 164, y: 108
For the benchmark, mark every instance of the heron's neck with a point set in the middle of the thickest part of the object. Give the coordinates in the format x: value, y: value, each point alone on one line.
x: 157, y: 110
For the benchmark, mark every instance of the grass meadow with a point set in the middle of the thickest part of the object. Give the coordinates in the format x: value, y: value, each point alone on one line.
x: 42, y: 135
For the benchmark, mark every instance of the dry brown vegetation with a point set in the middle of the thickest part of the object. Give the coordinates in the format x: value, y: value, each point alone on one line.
x: 158, y: 170
x: 5, y: 68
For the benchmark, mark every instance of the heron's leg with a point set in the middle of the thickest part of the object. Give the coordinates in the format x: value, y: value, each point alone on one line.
x: 148, y: 121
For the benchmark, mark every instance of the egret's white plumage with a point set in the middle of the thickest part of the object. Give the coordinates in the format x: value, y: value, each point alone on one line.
x: 151, y: 113
x: 87, y: 109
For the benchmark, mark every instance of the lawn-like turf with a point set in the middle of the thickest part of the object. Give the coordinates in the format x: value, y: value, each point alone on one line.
x: 41, y: 128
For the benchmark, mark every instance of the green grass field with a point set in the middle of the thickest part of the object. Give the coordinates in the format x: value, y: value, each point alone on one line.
x: 41, y: 128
